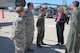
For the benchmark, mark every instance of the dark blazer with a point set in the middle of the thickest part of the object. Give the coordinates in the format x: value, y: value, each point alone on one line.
x: 62, y: 21
x: 63, y: 18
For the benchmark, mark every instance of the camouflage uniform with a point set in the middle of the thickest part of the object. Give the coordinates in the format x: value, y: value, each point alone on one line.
x: 29, y: 28
x: 19, y: 34
x: 41, y: 28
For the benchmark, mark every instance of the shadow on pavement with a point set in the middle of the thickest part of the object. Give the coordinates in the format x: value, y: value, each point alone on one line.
x: 57, y: 47
x: 5, y: 24
x: 6, y: 45
x: 44, y: 49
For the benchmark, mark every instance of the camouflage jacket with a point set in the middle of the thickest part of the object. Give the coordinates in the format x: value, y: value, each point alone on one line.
x: 29, y: 21
x: 18, y: 28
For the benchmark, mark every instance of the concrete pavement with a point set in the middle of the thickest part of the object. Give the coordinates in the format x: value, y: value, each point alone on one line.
x: 7, y: 46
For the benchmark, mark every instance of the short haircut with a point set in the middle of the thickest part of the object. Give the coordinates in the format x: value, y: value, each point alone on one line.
x: 19, y: 9
x: 76, y: 3
x: 29, y: 4
x: 42, y: 9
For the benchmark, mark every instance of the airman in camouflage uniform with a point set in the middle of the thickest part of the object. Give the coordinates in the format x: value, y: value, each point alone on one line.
x: 19, y: 31
x: 29, y: 27
x: 41, y: 28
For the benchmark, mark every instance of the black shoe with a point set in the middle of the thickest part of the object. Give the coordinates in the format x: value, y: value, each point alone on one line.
x: 57, y: 44
x: 43, y: 43
x: 39, y: 46
x: 30, y: 50
x: 61, y: 45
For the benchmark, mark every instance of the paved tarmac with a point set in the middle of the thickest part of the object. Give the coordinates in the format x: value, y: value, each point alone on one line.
x: 7, y: 45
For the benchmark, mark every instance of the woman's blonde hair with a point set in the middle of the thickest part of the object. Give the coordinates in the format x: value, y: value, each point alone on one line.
x: 61, y: 10
x: 19, y: 9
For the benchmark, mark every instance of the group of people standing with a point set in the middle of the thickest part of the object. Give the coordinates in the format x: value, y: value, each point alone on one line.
x: 23, y: 28
x: 73, y: 39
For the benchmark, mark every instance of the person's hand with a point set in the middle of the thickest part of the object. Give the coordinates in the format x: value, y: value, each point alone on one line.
x: 11, y: 37
x: 57, y: 20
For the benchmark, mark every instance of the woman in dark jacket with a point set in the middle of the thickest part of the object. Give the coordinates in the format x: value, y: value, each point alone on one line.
x: 60, y: 24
